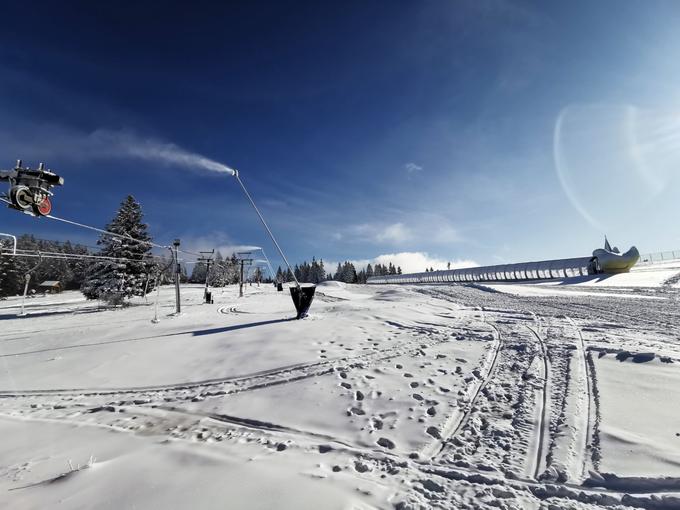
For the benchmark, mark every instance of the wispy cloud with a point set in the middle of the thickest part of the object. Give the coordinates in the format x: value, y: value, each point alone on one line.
x: 446, y: 234
x: 396, y: 233
x: 376, y: 233
x: 411, y: 167
x: 426, y: 228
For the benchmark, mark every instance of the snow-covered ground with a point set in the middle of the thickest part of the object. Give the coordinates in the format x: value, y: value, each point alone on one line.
x: 521, y: 396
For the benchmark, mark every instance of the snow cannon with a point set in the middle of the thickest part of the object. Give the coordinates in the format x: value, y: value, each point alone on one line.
x: 302, y: 296
x: 29, y: 190
x: 302, y: 299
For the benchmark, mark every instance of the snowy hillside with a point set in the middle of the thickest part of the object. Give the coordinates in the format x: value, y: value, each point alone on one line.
x: 448, y: 396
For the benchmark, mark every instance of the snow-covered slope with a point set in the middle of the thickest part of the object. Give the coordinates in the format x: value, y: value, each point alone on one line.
x: 384, y: 397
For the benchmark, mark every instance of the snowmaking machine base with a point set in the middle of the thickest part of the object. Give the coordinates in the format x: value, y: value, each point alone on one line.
x: 302, y: 299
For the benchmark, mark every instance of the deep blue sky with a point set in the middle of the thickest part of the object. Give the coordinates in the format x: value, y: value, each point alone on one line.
x: 489, y: 130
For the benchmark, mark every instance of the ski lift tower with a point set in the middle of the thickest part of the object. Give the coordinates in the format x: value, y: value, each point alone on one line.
x: 244, y: 259
x: 206, y: 258
x: 177, y: 270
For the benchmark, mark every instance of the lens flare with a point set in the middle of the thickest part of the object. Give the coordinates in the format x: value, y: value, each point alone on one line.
x: 613, y: 160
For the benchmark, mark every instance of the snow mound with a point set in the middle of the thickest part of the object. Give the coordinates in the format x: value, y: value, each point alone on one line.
x: 332, y: 284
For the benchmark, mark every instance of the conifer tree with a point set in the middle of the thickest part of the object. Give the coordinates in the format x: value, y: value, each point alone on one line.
x: 11, y: 278
x: 115, y: 280
x: 257, y: 275
x: 198, y: 274
x: 321, y: 272
x: 218, y: 273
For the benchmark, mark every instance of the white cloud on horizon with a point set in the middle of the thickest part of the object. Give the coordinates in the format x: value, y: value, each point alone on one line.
x: 409, y: 261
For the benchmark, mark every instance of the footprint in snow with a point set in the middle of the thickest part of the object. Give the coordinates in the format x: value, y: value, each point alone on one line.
x: 386, y: 443
x: 434, y: 432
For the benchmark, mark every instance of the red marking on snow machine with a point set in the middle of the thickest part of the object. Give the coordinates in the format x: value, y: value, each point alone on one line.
x: 45, y: 207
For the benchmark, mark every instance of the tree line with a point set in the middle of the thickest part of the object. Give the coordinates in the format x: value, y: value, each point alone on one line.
x: 345, y: 272
x: 70, y: 273
x: 131, y: 269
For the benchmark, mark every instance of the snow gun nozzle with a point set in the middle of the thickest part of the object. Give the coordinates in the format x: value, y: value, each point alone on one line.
x: 302, y: 299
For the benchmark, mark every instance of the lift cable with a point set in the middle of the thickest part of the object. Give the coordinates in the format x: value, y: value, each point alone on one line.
x: 121, y: 236
x: 74, y: 256
x: 130, y: 238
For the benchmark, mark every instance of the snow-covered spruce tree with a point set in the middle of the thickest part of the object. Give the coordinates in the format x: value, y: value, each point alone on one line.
x: 11, y: 278
x: 233, y: 272
x: 289, y: 276
x: 217, y: 276
x: 199, y: 272
x: 115, y: 280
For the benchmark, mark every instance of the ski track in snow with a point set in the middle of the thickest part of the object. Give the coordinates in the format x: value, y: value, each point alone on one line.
x: 457, y: 421
x: 586, y: 426
x: 538, y: 461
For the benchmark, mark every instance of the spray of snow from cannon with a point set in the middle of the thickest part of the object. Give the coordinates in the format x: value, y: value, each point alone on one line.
x: 126, y: 144
x: 172, y: 154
